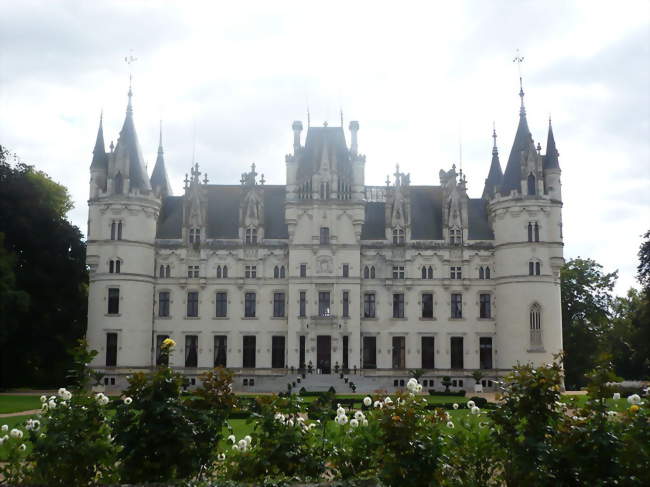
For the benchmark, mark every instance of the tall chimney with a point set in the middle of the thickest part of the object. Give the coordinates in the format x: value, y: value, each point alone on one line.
x: 297, y: 128
x: 354, y: 128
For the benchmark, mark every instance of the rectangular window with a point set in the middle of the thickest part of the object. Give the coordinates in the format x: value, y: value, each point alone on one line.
x: 163, y: 304
x: 369, y: 305
x: 346, y: 304
x: 278, y: 305
x: 485, y: 347
x: 302, y: 304
x: 398, y: 305
x: 369, y: 352
x: 220, y: 350
x: 456, y: 305
x: 191, y: 350
x: 301, y: 357
x: 428, y: 352
x: 119, y: 230
x: 192, y: 304
x: 346, y: 270
x: 345, y: 351
x: 303, y: 270
x: 195, y: 235
x: 399, y: 352
x: 485, y: 306
x: 427, y: 305
x: 192, y: 271
x: 324, y: 303
x: 455, y: 272
x: 113, y: 230
x: 113, y: 301
x: 249, y: 351
x: 250, y: 272
x: 249, y: 305
x: 398, y: 272
x: 531, y: 268
x: 111, y: 349
x: 161, y: 358
x: 324, y: 235
x: 221, y: 305
x: 277, y: 352
x: 456, y: 352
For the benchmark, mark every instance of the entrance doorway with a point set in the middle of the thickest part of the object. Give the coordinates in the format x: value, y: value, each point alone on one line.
x: 324, y: 353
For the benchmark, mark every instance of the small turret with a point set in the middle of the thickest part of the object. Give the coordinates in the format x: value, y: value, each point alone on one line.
x: 159, y: 180
x: 495, y: 175
x: 297, y: 129
x: 354, y: 128
x: 99, y: 165
x: 552, y: 172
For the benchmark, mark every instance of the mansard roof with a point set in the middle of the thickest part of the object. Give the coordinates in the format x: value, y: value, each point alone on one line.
x: 223, y: 209
x: 318, y: 139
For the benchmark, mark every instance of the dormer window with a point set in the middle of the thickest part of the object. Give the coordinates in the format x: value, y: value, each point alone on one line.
x: 531, y: 184
x: 398, y: 236
x: 484, y: 272
x: 455, y: 236
x: 251, y: 236
x: 195, y: 235
x: 427, y: 272
x: 455, y: 272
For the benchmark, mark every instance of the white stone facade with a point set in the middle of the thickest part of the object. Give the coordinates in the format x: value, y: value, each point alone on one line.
x: 325, y: 270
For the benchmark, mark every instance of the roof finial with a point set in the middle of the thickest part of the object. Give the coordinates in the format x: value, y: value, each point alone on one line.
x: 520, y: 59
x: 494, y: 136
x: 341, y: 109
x: 160, y: 147
x: 130, y: 59
x: 308, y: 118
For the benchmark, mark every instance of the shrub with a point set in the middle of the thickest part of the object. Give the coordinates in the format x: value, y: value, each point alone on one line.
x: 481, y: 402
x: 331, y: 390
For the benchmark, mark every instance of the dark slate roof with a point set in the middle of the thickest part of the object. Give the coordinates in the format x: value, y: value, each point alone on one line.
x: 311, y: 155
x: 426, y: 212
x: 128, y: 147
x: 274, y: 225
x: 170, y: 220
x: 223, y: 211
x: 522, y: 142
x: 551, y: 160
x: 159, y: 180
x: 374, y: 228
x: 495, y: 175
x: 477, y: 220
x: 100, y: 158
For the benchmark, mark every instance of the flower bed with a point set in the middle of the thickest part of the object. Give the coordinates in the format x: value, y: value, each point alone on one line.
x: 156, y: 434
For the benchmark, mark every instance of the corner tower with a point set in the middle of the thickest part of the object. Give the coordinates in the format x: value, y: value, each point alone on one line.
x: 123, y: 211
x: 526, y: 217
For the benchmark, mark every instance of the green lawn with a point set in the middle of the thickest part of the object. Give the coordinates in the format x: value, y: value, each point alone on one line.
x: 14, y: 404
x: 579, y: 401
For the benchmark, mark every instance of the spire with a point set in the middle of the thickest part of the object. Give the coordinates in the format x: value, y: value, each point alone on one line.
x: 495, y: 176
x: 551, y: 158
x: 100, y: 160
x: 522, y: 109
x: 128, y: 158
x: 159, y: 180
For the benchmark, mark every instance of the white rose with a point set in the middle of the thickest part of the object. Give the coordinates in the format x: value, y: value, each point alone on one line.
x: 354, y: 423
x: 128, y: 400
x: 617, y: 396
x: 232, y: 438
x: 419, y: 388
x: 340, y: 411
x: 43, y: 398
x: 470, y: 404
x: 455, y: 406
x: 367, y: 401
x: 388, y: 401
x: 67, y: 395
x: 5, y: 428
x: 475, y: 410
x: 235, y: 447
x: 221, y: 457
x: 634, y: 399
x: 364, y: 422
x: 16, y: 433
x: 242, y: 444
x: 61, y: 392
x: 51, y: 404
x: 450, y: 424
x: 22, y: 447
x: 378, y: 404
x: 342, y: 419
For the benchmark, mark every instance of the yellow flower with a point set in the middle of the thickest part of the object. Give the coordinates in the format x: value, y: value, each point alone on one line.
x: 168, y: 343
x: 634, y: 408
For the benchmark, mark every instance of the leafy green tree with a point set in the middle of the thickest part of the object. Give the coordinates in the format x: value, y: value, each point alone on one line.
x: 43, y: 278
x: 586, y: 311
x: 643, y: 270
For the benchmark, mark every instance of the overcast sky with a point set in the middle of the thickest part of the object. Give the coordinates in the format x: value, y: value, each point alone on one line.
x: 418, y: 76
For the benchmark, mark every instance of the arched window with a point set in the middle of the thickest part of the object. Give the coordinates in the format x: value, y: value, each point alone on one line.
x: 424, y: 272
x: 534, y: 268
x: 118, y: 264
x: 530, y: 232
x: 111, y: 266
x: 531, y: 184
x: 538, y: 268
x: 372, y: 272
x: 366, y: 272
x: 218, y: 272
x: 119, y: 230
x: 398, y: 236
x: 251, y: 236
x: 282, y: 273
x: 487, y: 273
x: 536, y: 232
x: 276, y: 272
x: 161, y: 271
x: 535, y: 319
x: 225, y: 271
x: 430, y: 273
x: 167, y: 271
x: 481, y: 273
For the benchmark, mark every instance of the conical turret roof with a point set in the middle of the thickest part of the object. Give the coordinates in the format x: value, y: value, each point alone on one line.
x: 100, y: 159
x: 495, y: 175
x: 551, y: 160
x: 159, y: 179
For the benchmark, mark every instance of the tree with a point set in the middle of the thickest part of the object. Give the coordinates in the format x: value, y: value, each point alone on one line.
x: 586, y: 311
x: 643, y: 270
x: 629, y: 339
x: 43, y: 278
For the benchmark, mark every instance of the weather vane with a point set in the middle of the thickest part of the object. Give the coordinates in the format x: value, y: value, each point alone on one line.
x: 129, y: 60
x: 518, y: 59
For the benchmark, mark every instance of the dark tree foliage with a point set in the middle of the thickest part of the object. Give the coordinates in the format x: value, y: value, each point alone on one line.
x: 586, y: 312
x: 643, y: 270
x: 43, y: 278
